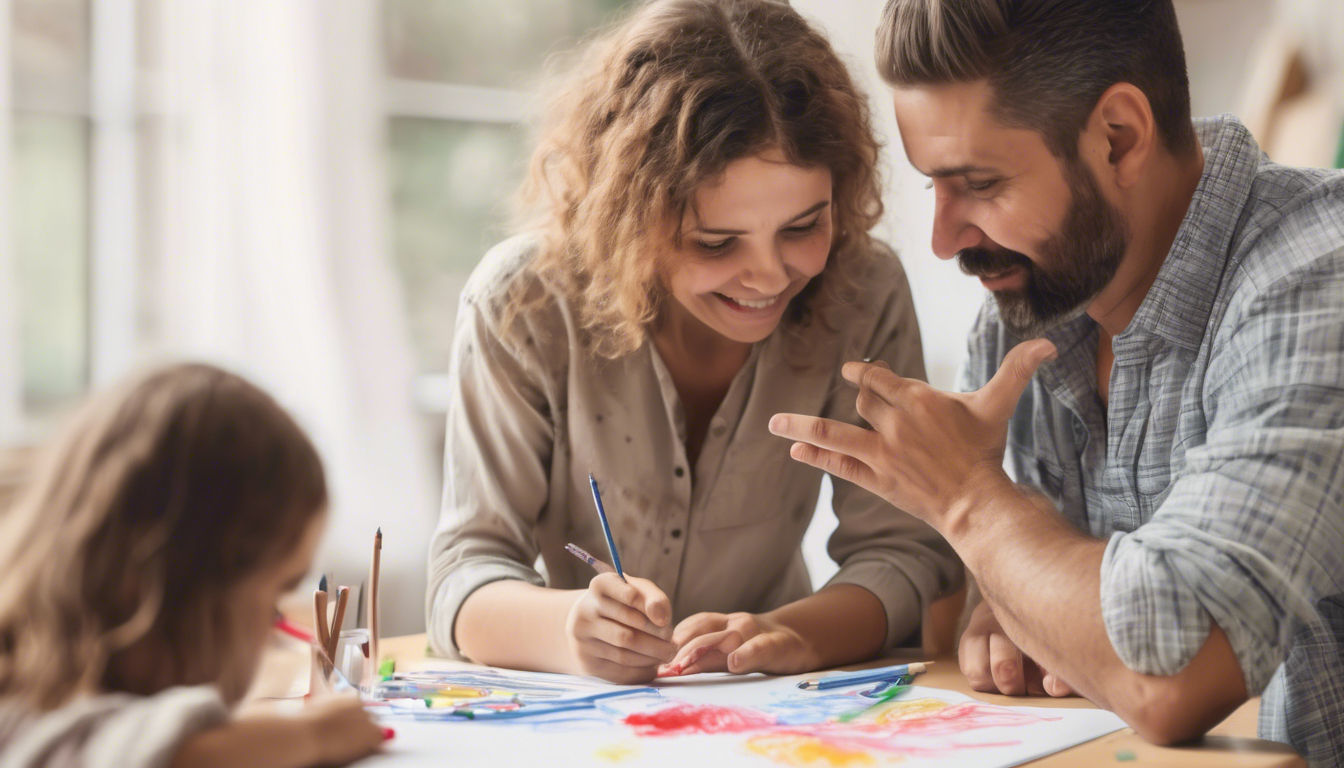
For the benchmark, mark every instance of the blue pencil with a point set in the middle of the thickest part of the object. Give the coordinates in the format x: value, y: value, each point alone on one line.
x: 606, y: 528
x: 545, y: 707
x: 863, y: 676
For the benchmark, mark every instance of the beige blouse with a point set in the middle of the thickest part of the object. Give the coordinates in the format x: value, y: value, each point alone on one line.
x: 532, y: 413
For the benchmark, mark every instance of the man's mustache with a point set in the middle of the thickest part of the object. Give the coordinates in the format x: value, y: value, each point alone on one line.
x: 980, y: 262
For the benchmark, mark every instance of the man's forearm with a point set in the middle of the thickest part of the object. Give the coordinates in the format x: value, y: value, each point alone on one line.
x: 1043, y: 580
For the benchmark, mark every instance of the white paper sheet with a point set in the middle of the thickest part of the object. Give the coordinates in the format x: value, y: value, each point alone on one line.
x: 724, y: 720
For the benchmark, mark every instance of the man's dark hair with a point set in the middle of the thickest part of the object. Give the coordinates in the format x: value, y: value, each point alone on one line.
x: 1047, y: 61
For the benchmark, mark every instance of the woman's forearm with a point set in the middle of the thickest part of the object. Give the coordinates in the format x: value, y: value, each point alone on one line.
x: 841, y: 624
x: 517, y: 625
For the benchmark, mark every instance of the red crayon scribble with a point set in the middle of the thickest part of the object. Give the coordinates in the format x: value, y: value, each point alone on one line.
x: 691, y: 718
x: 927, y: 735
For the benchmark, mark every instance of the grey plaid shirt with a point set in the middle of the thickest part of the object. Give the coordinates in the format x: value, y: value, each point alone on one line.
x: 1217, y: 472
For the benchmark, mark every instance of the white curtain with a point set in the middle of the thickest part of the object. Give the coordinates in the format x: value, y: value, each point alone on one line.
x: 267, y: 212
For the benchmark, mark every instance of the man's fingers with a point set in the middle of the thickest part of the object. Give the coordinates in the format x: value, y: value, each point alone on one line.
x: 1055, y: 686
x: 837, y: 464
x: 1005, y: 665
x: 840, y: 449
x: 973, y: 654
x: 876, y: 378
x: 823, y: 433
x: 999, y: 397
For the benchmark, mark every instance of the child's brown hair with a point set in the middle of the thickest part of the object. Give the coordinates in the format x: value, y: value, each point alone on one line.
x: 159, y: 497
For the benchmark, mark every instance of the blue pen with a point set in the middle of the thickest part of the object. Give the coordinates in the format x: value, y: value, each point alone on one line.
x: 863, y: 676
x: 606, y: 528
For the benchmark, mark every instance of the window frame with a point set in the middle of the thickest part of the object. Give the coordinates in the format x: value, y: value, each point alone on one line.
x: 108, y: 99
x: 456, y: 103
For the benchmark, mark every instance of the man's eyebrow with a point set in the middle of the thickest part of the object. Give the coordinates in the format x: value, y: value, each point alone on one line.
x: 959, y: 170
x: 808, y: 212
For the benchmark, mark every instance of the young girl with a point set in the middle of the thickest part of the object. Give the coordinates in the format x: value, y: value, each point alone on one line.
x: 142, y: 565
x: 698, y: 260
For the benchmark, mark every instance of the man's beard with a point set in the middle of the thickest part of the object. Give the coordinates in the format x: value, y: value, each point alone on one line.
x: 1075, y: 264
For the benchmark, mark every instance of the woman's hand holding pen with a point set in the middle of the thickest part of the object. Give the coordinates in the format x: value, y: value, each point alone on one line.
x: 621, y: 630
x: 737, y: 643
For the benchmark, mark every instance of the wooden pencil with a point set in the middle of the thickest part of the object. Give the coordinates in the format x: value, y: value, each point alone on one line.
x: 342, y: 597
x: 373, y: 599
x: 320, y: 617
x: 320, y: 623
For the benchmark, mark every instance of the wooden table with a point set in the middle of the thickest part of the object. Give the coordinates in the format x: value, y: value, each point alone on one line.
x: 1231, y: 745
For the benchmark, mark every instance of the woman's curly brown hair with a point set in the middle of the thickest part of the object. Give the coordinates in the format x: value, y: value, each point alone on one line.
x: 662, y: 102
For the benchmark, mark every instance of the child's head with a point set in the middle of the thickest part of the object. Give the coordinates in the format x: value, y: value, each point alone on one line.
x: 666, y: 110
x: 150, y: 546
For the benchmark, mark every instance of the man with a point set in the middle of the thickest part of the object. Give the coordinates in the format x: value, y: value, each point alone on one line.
x: 1168, y: 334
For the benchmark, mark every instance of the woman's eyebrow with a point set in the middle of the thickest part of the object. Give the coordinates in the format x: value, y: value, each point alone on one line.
x: 809, y: 211
x: 816, y: 207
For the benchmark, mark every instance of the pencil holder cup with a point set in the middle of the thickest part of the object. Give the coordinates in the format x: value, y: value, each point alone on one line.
x: 352, y: 657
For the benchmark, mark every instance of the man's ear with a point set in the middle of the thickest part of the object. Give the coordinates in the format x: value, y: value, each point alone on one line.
x: 1121, y: 135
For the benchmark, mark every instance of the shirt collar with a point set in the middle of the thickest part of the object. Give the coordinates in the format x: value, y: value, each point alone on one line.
x: 1178, y: 304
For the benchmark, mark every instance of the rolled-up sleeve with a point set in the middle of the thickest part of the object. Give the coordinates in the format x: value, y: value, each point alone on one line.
x: 496, y: 463
x: 894, y: 555
x: 1251, y: 534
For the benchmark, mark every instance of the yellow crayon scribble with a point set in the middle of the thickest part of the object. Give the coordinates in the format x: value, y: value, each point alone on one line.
x: 896, y: 711
x: 617, y: 753
x: 794, y: 750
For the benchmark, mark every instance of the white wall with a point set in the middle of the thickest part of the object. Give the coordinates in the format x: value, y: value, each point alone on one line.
x: 1220, y: 38
x: 945, y: 299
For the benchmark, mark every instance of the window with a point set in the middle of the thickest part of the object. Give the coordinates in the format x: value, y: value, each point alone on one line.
x: 456, y: 141
x: 79, y: 130
x: 49, y: 231
x: 71, y: 96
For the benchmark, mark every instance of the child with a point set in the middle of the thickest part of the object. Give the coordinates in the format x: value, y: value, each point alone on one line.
x: 698, y: 260
x: 142, y: 565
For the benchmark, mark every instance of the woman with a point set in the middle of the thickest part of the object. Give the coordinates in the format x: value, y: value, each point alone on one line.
x: 696, y: 260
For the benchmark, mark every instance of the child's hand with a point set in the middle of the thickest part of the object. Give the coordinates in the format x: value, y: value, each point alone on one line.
x: 341, y: 730
x: 621, y: 632
x: 737, y: 643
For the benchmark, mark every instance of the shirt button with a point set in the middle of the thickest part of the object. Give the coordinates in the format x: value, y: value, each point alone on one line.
x: 676, y: 533
x: 679, y: 471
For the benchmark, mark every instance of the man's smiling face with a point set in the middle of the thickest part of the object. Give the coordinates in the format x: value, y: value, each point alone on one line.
x: 1036, y: 230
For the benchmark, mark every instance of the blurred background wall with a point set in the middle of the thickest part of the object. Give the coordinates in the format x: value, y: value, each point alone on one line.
x: 297, y: 189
